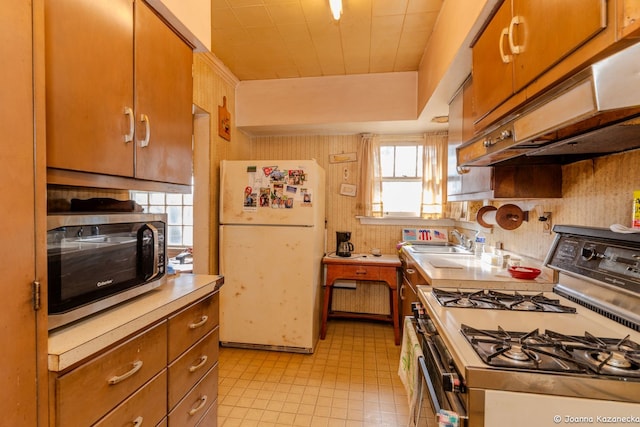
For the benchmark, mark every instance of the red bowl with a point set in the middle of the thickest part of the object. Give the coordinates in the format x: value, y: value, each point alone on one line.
x: 527, y: 273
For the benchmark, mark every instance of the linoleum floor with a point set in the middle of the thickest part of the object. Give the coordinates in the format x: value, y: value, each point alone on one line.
x: 350, y: 380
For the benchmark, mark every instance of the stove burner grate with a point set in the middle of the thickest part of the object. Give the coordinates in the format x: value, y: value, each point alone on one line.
x: 490, y: 299
x: 554, y: 352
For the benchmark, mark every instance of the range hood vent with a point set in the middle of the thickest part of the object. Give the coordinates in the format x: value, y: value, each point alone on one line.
x: 595, y: 112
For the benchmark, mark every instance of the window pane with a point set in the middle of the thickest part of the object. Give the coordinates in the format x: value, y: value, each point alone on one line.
x: 174, y: 215
x: 156, y: 209
x: 387, y: 159
x: 401, y: 197
x: 187, y: 236
x: 187, y: 215
x: 156, y: 198
x: 175, y: 235
x: 141, y: 198
x: 174, y: 199
x: 405, y: 161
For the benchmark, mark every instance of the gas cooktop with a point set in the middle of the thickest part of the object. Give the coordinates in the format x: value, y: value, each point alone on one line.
x: 491, y: 299
x: 554, y: 352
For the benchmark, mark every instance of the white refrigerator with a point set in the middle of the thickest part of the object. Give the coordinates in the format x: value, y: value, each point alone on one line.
x: 272, y: 240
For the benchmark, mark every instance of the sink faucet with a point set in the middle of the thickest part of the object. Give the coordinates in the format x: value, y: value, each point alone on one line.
x: 462, y: 239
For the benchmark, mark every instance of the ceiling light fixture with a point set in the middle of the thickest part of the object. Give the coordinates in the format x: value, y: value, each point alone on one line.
x: 336, y: 8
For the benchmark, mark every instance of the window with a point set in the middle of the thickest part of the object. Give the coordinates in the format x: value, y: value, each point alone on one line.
x: 403, y: 176
x: 401, y: 167
x: 179, y: 210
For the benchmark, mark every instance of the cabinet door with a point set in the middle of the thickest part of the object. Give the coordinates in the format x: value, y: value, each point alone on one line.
x: 493, y: 64
x: 549, y: 30
x: 20, y: 353
x: 89, y: 85
x: 164, y: 99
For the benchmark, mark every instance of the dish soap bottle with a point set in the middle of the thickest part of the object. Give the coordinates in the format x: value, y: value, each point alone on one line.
x: 479, y: 244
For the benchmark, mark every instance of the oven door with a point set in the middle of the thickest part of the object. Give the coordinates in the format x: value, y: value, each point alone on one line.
x: 441, y: 388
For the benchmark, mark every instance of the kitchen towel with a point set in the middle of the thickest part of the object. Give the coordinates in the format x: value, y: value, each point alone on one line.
x: 409, y: 369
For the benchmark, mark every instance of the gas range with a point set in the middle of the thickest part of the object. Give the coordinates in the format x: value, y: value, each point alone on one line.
x: 578, y: 343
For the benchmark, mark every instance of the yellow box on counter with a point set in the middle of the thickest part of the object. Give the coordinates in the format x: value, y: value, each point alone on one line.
x: 635, y: 221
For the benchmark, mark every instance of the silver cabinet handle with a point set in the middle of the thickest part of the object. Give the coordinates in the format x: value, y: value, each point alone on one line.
x: 119, y: 378
x: 203, y: 401
x: 132, y: 124
x: 147, y: 130
x: 202, y: 321
x: 137, y: 422
x: 203, y: 360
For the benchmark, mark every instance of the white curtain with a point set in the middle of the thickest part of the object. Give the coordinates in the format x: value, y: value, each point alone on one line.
x: 369, y: 193
x: 434, y: 163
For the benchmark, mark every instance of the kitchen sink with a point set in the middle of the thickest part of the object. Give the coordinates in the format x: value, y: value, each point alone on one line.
x: 438, y: 249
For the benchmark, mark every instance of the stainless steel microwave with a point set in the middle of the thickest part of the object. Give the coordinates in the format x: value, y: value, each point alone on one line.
x: 98, y: 260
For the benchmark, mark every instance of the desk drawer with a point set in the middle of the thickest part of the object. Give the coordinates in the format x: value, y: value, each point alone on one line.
x: 356, y: 272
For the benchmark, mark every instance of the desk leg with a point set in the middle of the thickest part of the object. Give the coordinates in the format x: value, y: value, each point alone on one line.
x: 390, y: 277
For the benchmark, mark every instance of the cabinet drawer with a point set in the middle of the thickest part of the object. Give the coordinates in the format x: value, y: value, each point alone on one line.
x: 191, y: 366
x: 195, y: 405
x: 144, y: 407
x: 355, y: 272
x: 86, y: 393
x: 191, y: 324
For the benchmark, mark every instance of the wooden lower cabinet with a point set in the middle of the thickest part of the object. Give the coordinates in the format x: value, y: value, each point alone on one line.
x: 165, y: 374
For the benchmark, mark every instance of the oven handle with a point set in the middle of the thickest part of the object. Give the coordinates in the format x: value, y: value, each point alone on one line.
x: 432, y: 392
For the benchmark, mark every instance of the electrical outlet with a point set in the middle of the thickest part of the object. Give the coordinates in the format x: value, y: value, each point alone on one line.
x: 345, y: 174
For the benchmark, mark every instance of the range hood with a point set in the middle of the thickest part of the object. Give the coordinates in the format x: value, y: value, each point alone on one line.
x: 595, y: 112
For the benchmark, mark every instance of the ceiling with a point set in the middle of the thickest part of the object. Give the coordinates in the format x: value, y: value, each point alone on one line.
x: 275, y: 39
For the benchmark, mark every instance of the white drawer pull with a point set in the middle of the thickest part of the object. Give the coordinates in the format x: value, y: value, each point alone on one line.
x: 194, y: 368
x: 202, y: 321
x: 119, y: 378
x: 203, y: 401
x: 137, y: 422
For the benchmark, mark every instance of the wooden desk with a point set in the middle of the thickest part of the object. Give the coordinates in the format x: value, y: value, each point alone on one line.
x: 362, y: 268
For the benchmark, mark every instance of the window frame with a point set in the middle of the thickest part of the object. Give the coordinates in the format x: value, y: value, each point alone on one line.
x: 412, y: 141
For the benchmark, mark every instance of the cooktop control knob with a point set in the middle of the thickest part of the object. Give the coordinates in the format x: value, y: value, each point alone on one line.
x: 590, y: 253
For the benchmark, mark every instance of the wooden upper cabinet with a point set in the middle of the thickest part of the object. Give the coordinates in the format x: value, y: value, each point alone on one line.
x: 546, y: 31
x: 524, y: 39
x: 119, y: 91
x: 492, y: 63
x: 89, y: 85
x: 164, y: 97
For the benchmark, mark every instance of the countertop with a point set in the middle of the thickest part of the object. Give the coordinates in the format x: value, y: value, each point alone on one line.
x: 73, y: 343
x: 467, y: 271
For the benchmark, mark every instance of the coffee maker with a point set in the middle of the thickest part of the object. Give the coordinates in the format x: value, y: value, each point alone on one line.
x: 343, y: 246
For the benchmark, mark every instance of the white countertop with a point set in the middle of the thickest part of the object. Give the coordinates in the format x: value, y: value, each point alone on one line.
x: 462, y: 270
x: 73, y: 343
